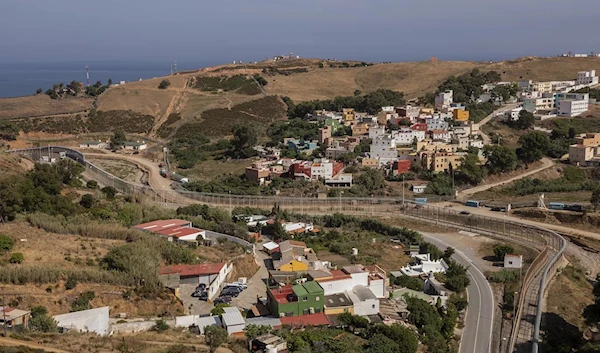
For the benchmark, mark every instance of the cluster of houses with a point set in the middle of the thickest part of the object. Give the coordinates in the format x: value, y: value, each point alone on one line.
x: 555, y: 98
x: 586, y: 150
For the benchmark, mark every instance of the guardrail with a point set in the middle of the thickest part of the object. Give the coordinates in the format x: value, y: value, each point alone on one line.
x: 544, y: 238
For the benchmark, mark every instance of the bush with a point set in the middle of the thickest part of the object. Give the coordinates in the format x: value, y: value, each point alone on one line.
x: 92, y: 184
x: 413, y: 283
x: 164, y: 84
x: 16, y: 258
x: 71, y: 283
x: 6, y: 242
x: 160, y: 326
x: 502, y: 249
x: 83, y: 301
x: 110, y: 192
x: 503, y: 276
x: 43, y: 323
x: 38, y: 310
x: 87, y: 201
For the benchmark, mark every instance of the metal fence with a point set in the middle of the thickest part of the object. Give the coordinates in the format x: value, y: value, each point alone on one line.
x: 548, y: 242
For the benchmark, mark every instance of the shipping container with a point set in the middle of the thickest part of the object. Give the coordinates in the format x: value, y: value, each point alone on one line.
x: 556, y: 206
x: 575, y: 208
x: 472, y: 203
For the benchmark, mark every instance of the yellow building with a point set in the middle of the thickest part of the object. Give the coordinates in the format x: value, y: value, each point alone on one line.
x: 590, y: 139
x: 427, y: 111
x: 349, y: 114
x: 294, y: 266
x: 360, y: 129
x: 339, y: 310
x: 460, y: 115
x: 439, y: 162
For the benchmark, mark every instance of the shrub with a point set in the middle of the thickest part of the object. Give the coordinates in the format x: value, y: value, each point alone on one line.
x: 38, y: 310
x: 6, y: 242
x: 164, y: 84
x: 16, y: 258
x: 83, y: 301
x: 92, y: 184
x: 110, y: 192
x: 71, y: 283
x: 43, y: 323
x: 503, y: 276
x: 160, y: 326
x: 87, y: 201
x: 414, y: 283
x: 502, y: 249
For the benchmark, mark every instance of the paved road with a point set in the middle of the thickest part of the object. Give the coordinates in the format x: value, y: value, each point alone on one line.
x: 479, y: 323
x: 547, y: 163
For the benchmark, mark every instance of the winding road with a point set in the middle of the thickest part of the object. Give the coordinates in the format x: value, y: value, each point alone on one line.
x: 479, y: 322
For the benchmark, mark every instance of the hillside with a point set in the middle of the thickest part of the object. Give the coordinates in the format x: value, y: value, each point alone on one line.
x: 198, y: 97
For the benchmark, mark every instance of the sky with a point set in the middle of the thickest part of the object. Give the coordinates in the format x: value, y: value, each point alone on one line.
x: 220, y: 31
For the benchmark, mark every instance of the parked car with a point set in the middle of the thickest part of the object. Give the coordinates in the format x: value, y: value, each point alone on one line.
x: 201, y: 286
x: 497, y: 209
x: 198, y: 293
x: 231, y: 292
x: 203, y: 296
x: 465, y: 213
x: 237, y: 284
x: 222, y: 300
x: 238, y: 288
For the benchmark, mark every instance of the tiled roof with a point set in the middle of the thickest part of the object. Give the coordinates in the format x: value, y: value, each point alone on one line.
x: 163, y: 224
x: 305, y: 320
x: 193, y: 270
x: 179, y: 232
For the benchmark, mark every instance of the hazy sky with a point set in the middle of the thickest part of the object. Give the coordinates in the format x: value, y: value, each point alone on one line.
x: 226, y: 30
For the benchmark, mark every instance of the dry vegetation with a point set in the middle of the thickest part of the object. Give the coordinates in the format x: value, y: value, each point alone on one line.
x: 41, y: 105
x: 570, y: 283
x: 543, y: 69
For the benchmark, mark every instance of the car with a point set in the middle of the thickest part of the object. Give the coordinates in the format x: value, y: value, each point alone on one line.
x: 198, y: 293
x: 233, y: 287
x: 465, y: 213
x: 222, y: 300
x: 237, y: 284
x: 203, y: 296
x: 230, y: 293
x: 201, y: 286
x: 497, y: 209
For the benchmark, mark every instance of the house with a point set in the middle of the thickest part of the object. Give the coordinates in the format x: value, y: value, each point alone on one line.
x: 336, y: 151
x: 444, y: 99
x: 233, y: 321
x: 342, y: 180
x: 513, y: 114
x: 384, y: 149
x: 572, y: 108
x: 301, y: 146
x: 319, y: 169
x: 92, y: 320
x: 255, y: 220
x: 424, y: 266
x: 589, y: 139
x: 294, y: 256
x: 434, y: 287
x: 349, y: 114
x: 183, y: 234
x: 581, y: 155
x: 440, y: 135
x: 419, y: 189
x: 269, y: 343
x: 324, y: 135
x: 360, y: 129
x: 533, y: 105
x: 401, y: 166
x: 513, y: 261
x: 99, y: 145
x: 364, y: 301
x: 441, y: 161
x: 338, y: 303
x: 135, y: 145
x: 460, y: 115
x: 12, y: 318
x: 300, y: 299
x: 257, y: 175
x: 213, y: 275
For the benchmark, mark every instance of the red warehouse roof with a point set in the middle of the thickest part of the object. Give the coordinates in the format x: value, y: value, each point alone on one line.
x: 156, y: 226
x: 192, y: 270
x: 180, y: 231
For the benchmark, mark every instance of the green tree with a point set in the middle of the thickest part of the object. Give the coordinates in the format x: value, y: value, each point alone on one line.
x: 43, y: 323
x: 109, y: 191
x: 413, y: 283
x: 219, y: 309
x: 502, y: 249
x: 244, y: 138
x: 6, y: 242
x: 470, y: 171
x: 118, y: 138
x: 215, y: 337
x: 16, y: 258
x: 164, y: 84
x: 381, y: 344
x: 87, y: 201
x: 92, y: 184
x: 160, y: 326
x: 82, y: 302
x: 448, y: 253
x: 459, y: 301
x: 525, y: 121
x: 371, y: 179
x: 533, y: 146
x: 456, y: 277
x: 500, y: 159
x: 38, y: 91
x: 38, y: 310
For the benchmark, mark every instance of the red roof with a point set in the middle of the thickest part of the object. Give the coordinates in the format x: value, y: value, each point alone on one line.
x: 336, y: 276
x: 281, y: 294
x: 192, y: 270
x: 179, y: 232
x: 420, y: 127
x: 156, y: 226
x: 305, y: 320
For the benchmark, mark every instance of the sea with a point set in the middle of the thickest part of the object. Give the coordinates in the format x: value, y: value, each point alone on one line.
x: 23, y: 79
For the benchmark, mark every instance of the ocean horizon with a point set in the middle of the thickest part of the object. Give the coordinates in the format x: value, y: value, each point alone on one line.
x: 23, y: 79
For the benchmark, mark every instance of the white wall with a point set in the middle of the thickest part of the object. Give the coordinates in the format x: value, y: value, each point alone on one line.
x: 368, y: 307
x: 193, y: 237
x: 337, y: 286
x: 378, y: 288
x: 360, y: 279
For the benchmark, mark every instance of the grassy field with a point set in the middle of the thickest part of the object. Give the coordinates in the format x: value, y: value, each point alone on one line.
x: 572, y: 284
x: 41, y: 105
x: 543, y: 69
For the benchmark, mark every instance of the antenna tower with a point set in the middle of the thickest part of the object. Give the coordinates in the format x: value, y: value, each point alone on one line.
x: 87, y: 75
x: 175, y: 66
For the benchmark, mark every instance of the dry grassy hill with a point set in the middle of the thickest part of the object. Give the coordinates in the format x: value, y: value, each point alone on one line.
x: 301, y: 80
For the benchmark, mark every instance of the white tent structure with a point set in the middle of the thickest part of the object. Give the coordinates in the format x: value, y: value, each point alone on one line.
x: 93, y: 320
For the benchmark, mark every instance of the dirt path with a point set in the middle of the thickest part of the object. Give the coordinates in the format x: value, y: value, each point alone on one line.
x: 174, y: 105
x: 487, y: 119
x: 5, y: 341
x: 203, y: 346
x: 547, y: 163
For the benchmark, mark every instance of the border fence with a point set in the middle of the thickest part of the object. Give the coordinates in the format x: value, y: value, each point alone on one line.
x: 526, y: 330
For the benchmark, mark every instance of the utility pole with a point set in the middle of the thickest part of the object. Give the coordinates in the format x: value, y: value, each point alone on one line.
x: 4, y: 313
x: 402, y: 189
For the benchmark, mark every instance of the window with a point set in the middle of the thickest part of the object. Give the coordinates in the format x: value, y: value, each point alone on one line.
x: 373, y: 306
x: 305, y: 311
x: 304, y: 299
x: 510, y: 262
x: 317, y: 298
x: 317, y: 310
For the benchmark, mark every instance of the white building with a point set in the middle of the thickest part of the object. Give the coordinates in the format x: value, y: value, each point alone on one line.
x: 376, y: 132
x: 233, y: 321
x: 425, y: 266
x: 365, y: 302
x: 388, y: 109
x: 440, y: 135
x: 384, y: 148
x: 291, y: 227
x: 513, y: 261
x: 587, y: 78
x: 444, y: 99
x: 93, y: 320
x: 404, y: 136
x: 572, y: 107
x: 513, y: 114
x: 419, y: 189
x: 436, y: 123
x: 99, y: 145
